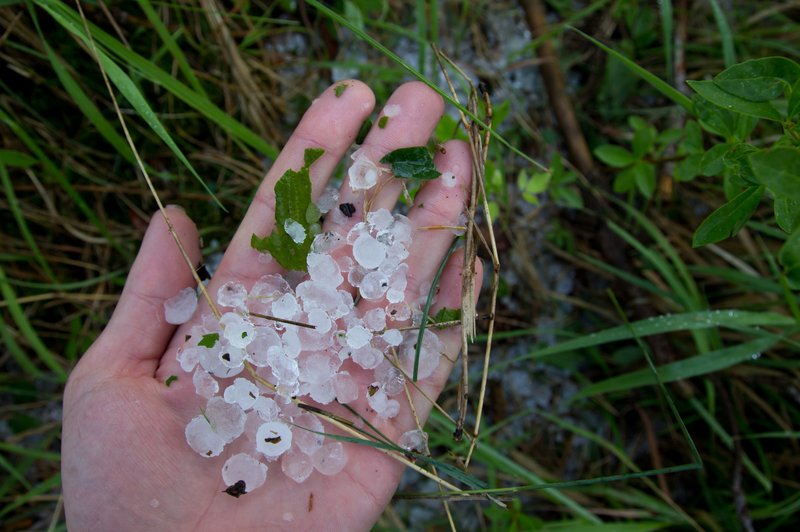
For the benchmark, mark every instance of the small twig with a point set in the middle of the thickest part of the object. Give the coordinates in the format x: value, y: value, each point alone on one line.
x: 281, y: 320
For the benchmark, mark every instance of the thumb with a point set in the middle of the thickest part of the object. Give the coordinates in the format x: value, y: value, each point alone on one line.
x: 137, y: 334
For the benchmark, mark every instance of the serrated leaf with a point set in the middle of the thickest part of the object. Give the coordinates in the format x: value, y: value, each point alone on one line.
x: 292, y: 203
x: 208, y: 340
x: 615, y: 156
x: 412, y: 163
x: 779, y: 169
x: 726, y: 221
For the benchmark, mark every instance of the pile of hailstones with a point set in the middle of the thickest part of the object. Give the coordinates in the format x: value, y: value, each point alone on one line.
x: 302, y: 362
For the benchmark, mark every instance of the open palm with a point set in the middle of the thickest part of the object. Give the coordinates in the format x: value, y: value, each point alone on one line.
x: 126, y: 463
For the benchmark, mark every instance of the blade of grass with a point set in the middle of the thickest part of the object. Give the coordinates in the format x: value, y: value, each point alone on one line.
x: 682, y: 369
x: 27, y: 331
x: 71, y: 21
x: 426, y: 310
x: 662, y: 324
x: 84, y: 103
x: 666, y: 37
x: 172, y: 46
x: 657, y: 83
x: 55, y: 172
x: 8, y: 466
x: 128, y: 88
x: 17, y: 352
x: 41, y: 488
x: 725, y: 34
x: 75, y: 285
x: 727, y: 440
x: 13, y: 205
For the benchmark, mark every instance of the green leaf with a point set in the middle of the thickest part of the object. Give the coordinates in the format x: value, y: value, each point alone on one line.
x: 689, y: 168
x: 412, y: 163
x: 447, y: 314
x: 615, y: 156
x: 714, y: 118
x: 728, y: 219
x: 340, y: 88
x: 533, y: 185
x: 759, y: 80
x: 713, y: 162
x: 645, y: 178
x: 693, y: 138
x: 779, y: 169
x: 643, y: 139
x: 625, y: 181
x: 787, y: 213
x: 208, y: 340
x: 711, y: 92
x: 292, y: 204
x: 793, y: 107
x: 683, y: 369
x: 16, y: 158
x: 170, y: 380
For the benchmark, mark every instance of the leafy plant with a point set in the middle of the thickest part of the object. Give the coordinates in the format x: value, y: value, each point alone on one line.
x: 293, y: 206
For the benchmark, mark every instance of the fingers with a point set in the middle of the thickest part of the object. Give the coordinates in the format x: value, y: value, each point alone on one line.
x: 135, y: 338
x: 416, y: 110
x: 331, y: 123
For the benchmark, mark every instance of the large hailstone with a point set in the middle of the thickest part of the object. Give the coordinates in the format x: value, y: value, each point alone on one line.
x: 244, y: 467
x: 273, y: 439
x: 179, y: 308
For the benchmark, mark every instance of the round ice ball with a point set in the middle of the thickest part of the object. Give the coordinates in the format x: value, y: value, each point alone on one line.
x: 273, y: 439
x: 180, y: 307
x: 244, y: 467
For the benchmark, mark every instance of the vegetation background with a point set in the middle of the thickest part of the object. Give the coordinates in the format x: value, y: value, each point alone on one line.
x: 598, y: 281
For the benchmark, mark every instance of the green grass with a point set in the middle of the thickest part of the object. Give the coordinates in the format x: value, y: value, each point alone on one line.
x: 620, y: 404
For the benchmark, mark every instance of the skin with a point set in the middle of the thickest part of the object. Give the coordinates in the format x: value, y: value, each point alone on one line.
x: 126, y: 463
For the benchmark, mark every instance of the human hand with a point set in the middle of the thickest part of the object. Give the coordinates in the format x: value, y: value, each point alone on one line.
x: 126, y: 462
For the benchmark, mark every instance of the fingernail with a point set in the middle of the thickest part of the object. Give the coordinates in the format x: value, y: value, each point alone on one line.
x: 175, y: 206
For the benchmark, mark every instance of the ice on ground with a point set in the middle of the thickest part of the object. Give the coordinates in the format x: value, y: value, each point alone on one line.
x: 179, y: 308
x: 297, y: 465
x: 414, y: 440
x: 295, y: 230
x: 232, y: 294
x: 244, y: 467
x: 273, y: 439
x: 368, y: 252
x: 363, y: 174
x: 202, y: 438
x: 330, y: 458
